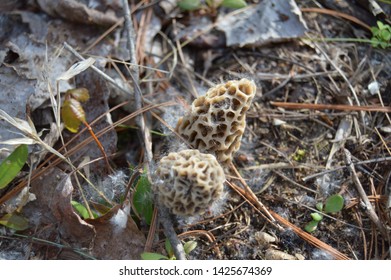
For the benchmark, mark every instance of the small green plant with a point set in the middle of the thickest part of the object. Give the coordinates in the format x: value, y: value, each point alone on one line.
x: 299, y: 155
x: 12, y: 165
x: 188, y: 247
x: 192, y: 5
x: 82, y: 211
x: 333, y: 204
x: 142, y: 199
x: 381, y: 35
x: 73, y: 115
x: 14, y: 221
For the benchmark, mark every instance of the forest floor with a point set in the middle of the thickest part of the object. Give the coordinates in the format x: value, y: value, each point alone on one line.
x: 318, y: 127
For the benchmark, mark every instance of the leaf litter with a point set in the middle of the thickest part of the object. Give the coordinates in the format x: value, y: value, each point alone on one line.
x: 208, y: 48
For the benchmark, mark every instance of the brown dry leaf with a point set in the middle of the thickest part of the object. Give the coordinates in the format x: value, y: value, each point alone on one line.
x: 53, y: 193
x: 269, y: 21
x: 112, y: 236
x: 78, y: 12
x: 117, y: 235
x: 23, y: 76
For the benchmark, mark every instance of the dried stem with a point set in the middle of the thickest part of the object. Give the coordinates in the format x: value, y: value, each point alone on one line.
x: 170, y: 233
x: 134, y: 74
x: 367, y: 204
x: 340, y: 107
x: 101, y: 73
x: 337, y: 14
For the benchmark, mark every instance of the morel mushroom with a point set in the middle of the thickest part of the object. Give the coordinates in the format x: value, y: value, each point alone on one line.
x: 217, y: 120
x: 190, y: 182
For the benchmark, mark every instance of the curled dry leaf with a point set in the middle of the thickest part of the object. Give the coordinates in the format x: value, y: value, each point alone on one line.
x: 117, y: 235
x: 52, y: 206
x: 112, y: 236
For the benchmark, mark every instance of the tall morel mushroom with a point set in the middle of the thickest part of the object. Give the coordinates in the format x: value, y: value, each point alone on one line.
x: 190, y: 182
x: 217, y: 120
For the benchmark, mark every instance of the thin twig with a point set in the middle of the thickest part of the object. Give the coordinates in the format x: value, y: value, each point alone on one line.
x: 152, y: 230
x: 350, y: 86
x: 101, y: 73
x: 293, y: 182
x: 337, y: 14
x: 164, y: 217
x: 251, y: 196
x: 134, y: 74
x: 130, y: 39
x: 309, y: 238
x: 367, y: 204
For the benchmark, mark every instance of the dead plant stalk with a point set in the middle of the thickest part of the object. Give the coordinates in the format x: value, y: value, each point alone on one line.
x: 367, y: 204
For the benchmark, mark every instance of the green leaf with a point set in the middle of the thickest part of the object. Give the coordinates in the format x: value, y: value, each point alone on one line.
x: 189, y: 5
x: 380, y: 25
x: 14, y: 221
x: 299, y: 155
x: 80, y: 94
x: 319, y: 206
x: 189, y: 246
x: 72, y: 114
x: 81, y: 209
x: 152, y: 256
x: 234, y: 4
x: 142, y: 199
x: 385, y: 35
x: 316, y: 216
x: 333, y: 204
x: 12, y: 165
x: 375, y: 42
x: 375, y: 31
x: 384, y: 45
x: 169, y: 250
x: 311, y: 226
x: 210, y: 3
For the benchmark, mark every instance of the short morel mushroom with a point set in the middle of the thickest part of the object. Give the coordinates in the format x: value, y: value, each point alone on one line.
x: 217, y: 120
x: 190, y: 182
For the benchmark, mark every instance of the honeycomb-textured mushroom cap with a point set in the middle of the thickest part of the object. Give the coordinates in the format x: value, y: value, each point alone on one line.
x: 190, y: 182
x: 217, y: 120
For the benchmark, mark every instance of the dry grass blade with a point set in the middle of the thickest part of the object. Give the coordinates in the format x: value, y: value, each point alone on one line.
x: 310, y: 239
x: 102, y: 150
x: 152, y: 231
x: 298, y: 106
x: 45, y: 166
x: 337, y: 14
x: 249, y: 194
